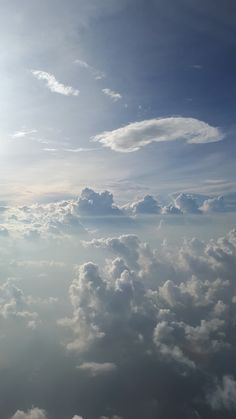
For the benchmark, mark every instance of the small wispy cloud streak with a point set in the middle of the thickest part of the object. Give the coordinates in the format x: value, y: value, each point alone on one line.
x: 111, y: 94
x: 23, y: 133
x: 54, y: 85
x: 97, y: 74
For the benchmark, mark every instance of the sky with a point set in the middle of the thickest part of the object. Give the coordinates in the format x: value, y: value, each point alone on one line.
x: 117, y: 209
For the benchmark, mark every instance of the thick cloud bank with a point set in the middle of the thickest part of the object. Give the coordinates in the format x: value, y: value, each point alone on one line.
x: 136, y: 135
x: 162, y: 318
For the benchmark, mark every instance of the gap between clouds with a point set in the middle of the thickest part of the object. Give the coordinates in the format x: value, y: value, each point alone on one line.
x: 136, y: 135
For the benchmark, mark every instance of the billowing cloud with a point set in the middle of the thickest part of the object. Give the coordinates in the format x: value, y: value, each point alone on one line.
x: 54, y: 85
x: 214, y: 205
x: 98, y: 204
x: 147, y: 205
x: 223, y: 396
x: 115, y: 96
x: 15, y: 305
x: 187, y: 203
x: 33, y: 413
x: 136, y: 135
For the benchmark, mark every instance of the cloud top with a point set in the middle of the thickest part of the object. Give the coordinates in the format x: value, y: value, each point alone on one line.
x: 136, y: 135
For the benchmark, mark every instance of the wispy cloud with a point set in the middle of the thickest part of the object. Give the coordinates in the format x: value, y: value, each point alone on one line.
x: 97, y: 74
x: 197, y: 66
x: 54, y: 85
x: 95, y: 368
x: 23, y: 133
x: 72, y: 150
x: 136, y: 135
x: 113, y: 95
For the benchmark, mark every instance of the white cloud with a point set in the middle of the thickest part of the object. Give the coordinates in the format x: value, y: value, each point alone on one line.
x: 95, y: 203
x: 15, y: 305
x: 136, y: 135
x: 53, y: 84
x: 147, y: 205
x: 113, y: 95
x: 95, y: 368
x: 187, y: 203
x: 23, y: 133
x: 33, y: 413
x: 213, y: 204
x: 97, y: 74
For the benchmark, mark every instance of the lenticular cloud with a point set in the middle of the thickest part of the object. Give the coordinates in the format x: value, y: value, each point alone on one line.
x: 136, y: 135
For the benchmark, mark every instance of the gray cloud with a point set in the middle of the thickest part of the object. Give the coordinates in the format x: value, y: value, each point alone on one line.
x: 223, y: 396
x: 95, y: 368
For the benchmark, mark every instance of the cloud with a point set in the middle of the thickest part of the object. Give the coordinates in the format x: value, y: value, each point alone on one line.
x: 187, y: 203
x: 95, y: 368
x: 15, y: 305
x: 23, y: 133
x: 97, y: 74
x: 146, y: 205
x: 33, y: 413
x: 53, y: 84
x: 223, y: 396
x: 214, y: 205
x: 97, y: 204
x: 112, y: 417
x: 135, y: 289
x: 111, y: 94
x: 77, y: 417
x: 171, y: 209
x: 136, y: 135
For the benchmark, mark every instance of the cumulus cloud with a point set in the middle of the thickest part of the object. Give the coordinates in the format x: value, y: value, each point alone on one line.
x: 14, y: 305
x: 115, y: 96
x: 34, y: 413
x: 135, y: 288
x: 157, y: 317
x: 147, y: 205
x: 53, y: 84
x: 214, y: 205
x: 42, y: 220
x: 95, y: 368
x: 98, y: 204
x: 223, y: 396
x: 187, y: 203
x: 136, y: 135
